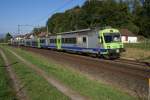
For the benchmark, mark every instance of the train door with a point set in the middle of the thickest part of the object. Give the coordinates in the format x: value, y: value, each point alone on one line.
x: 84, y: 41
x: 59, y: 42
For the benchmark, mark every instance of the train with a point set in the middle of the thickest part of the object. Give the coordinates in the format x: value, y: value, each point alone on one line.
x: 102, y: 42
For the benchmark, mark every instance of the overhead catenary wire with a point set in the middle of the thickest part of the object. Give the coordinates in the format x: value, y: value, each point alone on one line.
x: 46, y: 17
x: 53, y: 11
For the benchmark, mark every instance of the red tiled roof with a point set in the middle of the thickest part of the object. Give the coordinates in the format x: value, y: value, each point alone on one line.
x: 126, y: 32
x: 42, y: 34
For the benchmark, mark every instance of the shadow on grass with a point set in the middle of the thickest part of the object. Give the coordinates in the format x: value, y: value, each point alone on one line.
x: 9, y: 65
x: 22, y: 87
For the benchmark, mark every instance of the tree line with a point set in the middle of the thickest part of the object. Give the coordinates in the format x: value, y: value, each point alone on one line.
x: 7, y: 37
x: 100, y: 13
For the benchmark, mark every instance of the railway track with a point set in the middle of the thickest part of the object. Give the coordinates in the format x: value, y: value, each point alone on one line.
x: 131, y: 65
x: 130, y: 76
x: 145, y: 65
x: 125, y: 66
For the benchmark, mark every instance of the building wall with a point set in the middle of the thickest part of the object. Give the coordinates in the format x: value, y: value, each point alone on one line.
x: 124, y: 39
x: 129, y: 39
x: 132, y: 39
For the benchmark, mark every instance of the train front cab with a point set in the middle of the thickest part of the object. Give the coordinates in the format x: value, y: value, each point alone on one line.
x: 110, y: 40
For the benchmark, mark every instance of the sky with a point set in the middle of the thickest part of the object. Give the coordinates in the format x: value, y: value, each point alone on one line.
x: 30, y: 12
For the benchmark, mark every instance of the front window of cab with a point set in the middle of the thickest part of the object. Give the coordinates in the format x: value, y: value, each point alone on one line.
x: 112, y: 37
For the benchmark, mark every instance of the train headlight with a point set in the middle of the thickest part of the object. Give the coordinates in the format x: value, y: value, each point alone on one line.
x: 117, y: 50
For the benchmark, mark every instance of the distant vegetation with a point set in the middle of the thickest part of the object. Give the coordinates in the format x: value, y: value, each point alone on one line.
x: 96, y: 13
x: 6, y: 38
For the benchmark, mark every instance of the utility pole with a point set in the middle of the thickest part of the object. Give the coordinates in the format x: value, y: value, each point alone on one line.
x: 47, y: 29
x: 18, y: 33
x: 18, y: 29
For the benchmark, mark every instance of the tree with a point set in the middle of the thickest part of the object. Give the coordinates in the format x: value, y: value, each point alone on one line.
x: 145, y: 27
x: 142, y: 19
x: 99, y: 13
x: 37, y: 31
x: 8, y: 37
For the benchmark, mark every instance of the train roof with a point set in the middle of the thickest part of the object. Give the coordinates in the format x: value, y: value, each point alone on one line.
x: 76, y: 31
x: 82, y: 30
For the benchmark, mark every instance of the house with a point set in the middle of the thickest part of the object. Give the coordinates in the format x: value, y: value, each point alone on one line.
x: 128, y: 37
x: 19, y: 37
x: 42, y: 34
x: 29, y: 36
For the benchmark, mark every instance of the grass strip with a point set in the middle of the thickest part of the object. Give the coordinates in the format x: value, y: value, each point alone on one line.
x: 143, y: 46
x: 36, y: 86
x: 75, y: 80
x: 6, y: 90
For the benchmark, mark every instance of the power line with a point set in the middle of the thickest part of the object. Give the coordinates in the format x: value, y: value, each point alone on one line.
x: 64, y: 5
x: 53, y: 11
x: 25, y: 25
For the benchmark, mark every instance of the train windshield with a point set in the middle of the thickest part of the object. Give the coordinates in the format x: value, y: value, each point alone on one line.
x: 112, y: 37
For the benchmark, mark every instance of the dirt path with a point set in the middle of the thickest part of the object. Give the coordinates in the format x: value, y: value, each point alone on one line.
x: 73, y: 95
x: 20, y: 92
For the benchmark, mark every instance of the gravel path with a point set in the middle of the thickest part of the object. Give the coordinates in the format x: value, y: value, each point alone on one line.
x: 73, y: 95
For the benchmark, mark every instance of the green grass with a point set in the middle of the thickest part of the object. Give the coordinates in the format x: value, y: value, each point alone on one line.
x: 36, y: 86
x: 75, y: 80
x: 140, y: 51
x: 142, y: 45
x: 6, y: 90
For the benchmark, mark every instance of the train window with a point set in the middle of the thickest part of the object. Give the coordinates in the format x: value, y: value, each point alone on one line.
x: 74, y: 40
x: 84, y: 39
x: 69, y: 40
x: 52, y: 41
x: 63, y: 40
x: 42, y: 41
